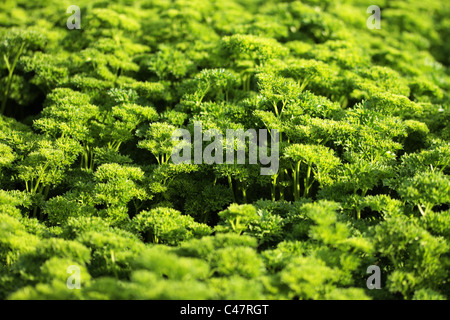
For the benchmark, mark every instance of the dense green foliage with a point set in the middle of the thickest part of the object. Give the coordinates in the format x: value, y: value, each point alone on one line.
x: 86, y: 177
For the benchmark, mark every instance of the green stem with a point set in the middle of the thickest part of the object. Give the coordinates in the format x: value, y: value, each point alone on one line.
x: 10, y: 77
x: 91, y: 163
x: 423, y: 213
x: 274, y: 186
x: 118, y: 144
x: 86, y: 160
x: 46, y: 191
x: 280, y: 188
x: 276, y: 109
x: 364, y: 191
x: 237, y: 224
x: 294, y: 184
x: 307, y: 182
x: 205, y: 217
x: 230, y: 184
x: 297, y: 181
x: 39, y: 179
x: 35, y: 211
x: 282, y: 108
x: 137, y: 206
x: 304, y: 83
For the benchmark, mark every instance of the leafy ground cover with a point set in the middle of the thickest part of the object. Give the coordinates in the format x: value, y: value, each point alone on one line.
x: 87, y: 181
